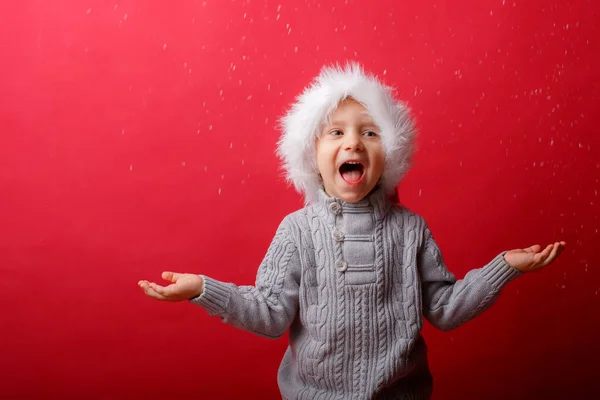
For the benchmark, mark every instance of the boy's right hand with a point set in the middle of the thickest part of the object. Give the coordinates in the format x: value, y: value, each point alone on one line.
x: 184, y: 287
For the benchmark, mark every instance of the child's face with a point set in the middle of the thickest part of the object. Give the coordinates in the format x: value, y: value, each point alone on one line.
x: 350, y: 155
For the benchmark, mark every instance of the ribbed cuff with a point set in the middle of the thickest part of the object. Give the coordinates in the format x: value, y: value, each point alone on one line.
x: 214, y: 298
x: 498, y: 272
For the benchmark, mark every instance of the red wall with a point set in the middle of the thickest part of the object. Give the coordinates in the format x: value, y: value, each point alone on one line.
x: 138, y: 136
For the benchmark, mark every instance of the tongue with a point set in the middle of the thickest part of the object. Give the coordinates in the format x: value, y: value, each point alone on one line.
x: 351, y: 176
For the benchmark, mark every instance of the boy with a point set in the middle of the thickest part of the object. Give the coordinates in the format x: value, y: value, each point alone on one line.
x: 351, y: 274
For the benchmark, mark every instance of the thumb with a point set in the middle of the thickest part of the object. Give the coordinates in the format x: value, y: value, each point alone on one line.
x: 534, y: 249
x: 170, y: 276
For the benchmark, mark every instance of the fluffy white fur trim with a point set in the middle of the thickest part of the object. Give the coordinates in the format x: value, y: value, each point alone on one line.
x: 300, y: 126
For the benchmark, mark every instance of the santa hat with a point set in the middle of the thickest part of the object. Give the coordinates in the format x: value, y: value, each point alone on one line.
x: 302, y: 123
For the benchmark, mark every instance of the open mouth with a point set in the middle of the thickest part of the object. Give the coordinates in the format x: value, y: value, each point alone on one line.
x: 352, y: 171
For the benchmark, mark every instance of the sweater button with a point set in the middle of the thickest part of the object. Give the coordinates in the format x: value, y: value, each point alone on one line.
x: 341, y: 265
x: 337, y: 235
x: 335, y: 207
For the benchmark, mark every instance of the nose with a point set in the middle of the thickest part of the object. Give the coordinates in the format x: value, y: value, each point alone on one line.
x: 353, y: 141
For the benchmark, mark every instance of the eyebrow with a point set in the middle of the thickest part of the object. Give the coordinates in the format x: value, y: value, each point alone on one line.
x: 364, y: 122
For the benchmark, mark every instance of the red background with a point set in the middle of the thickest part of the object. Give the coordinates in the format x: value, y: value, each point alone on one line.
x: 138, y: 136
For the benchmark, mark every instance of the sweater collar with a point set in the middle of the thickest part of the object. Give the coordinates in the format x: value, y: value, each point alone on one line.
x: 377, y: 199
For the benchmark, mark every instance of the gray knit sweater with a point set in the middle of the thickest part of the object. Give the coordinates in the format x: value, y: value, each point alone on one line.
x: 351, y: 282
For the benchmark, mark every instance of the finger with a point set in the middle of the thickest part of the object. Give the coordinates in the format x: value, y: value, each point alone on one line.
x: 170, y: 276
x: 544, y: 255
x: 167, y: 291
x: 553, y: 254
x: 159, y: 289
x: 152, y: 293
x: 547, y: 250
x: 541, y: 256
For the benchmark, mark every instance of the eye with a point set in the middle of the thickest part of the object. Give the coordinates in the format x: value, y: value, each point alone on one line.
x: 370, y: 133
x: 336, y: 133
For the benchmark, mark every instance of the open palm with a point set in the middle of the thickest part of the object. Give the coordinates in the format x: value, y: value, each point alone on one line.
x: 533, y: 258
x: 183, y: 287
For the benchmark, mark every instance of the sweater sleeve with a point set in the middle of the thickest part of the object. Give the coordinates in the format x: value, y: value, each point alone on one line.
x: 268, y: 308
x: 447, y: 302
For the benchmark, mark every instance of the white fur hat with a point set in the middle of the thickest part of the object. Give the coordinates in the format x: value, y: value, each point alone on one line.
x: 300, y: 126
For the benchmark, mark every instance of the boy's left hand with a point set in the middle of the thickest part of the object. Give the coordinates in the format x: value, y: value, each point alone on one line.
x: 533, y: 258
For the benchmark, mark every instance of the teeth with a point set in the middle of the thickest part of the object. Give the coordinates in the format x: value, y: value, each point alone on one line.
x: 352, y: 162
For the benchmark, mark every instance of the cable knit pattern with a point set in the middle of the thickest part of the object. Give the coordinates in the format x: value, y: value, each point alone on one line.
x: 352, y: 282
